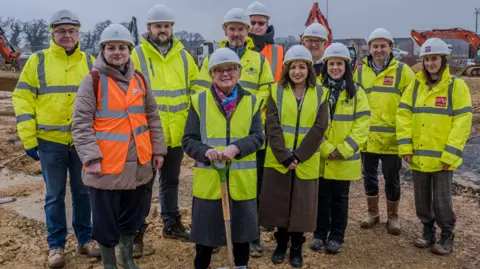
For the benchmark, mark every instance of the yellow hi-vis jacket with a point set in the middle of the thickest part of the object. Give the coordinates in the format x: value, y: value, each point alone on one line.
x: 295, y: 126
x: 384, y: 93
x: 434, y: 122
x: 170, y: 78
x: 45, y: 94
x: 346, y: 133
x: 218, y: 133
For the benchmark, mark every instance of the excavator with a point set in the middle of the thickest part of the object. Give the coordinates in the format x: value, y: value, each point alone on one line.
x: 8, y: 52
x: 316, y: 13
x: 454, y: 33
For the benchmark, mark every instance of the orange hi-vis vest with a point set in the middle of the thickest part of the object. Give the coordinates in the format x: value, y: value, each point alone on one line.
x: 118, y: 116
x: 274, y: 55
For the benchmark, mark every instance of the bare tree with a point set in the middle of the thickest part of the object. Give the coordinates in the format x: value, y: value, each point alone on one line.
x: 88, y: 39
x: 190, y: 39
x: 16, y: 31
x: 36, y: 33
x: 98, y: 29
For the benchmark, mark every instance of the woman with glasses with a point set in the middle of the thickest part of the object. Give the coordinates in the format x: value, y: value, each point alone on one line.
x: 223, y: 125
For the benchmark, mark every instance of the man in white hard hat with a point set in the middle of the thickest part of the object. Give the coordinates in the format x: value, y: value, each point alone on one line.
x: 263, y: 36
x: 384, y: 80
x: 169, y: 69
x: 256, y: 76
x: 43, y: 101
x: 314, y: 39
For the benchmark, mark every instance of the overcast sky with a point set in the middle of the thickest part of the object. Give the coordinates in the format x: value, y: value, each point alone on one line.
x: 347, y: 18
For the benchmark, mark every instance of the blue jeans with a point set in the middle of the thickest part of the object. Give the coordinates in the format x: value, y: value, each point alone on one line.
x: 55, y: 160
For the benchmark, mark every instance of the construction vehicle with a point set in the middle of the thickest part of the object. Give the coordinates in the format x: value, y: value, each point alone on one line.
x: 454, y: 33
x: 316, y: 13
x: 8, y: 53
x: 132, y: 27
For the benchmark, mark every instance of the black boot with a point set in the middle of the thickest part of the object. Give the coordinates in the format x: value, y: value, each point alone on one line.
x: 428, y: 237
x: 174, y: 229
x: 445, y: 245
x: 296, y: 259
x: 282, y: 246
x: 138, y: 241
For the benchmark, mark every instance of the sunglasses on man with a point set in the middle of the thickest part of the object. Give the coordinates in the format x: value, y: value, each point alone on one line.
x: 260, y: 23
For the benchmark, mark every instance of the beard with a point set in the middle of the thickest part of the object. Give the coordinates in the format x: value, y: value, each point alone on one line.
x: 160, y: 40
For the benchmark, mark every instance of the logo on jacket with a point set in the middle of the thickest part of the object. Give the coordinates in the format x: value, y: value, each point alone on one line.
x: 135, y: 91
x: 251, y: 71
x: 441, y: 101
x: 388, y: 81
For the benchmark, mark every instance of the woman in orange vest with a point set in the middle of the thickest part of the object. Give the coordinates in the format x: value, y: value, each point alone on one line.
x: 119, y: 139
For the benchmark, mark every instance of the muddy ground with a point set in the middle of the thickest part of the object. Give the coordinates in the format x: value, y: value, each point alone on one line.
x: 23, y: 234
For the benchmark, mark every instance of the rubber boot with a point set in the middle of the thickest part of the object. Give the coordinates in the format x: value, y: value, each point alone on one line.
x: 393, y: 223
x: 126, y: 252
x: 138, y: 241
x: 373, y: 217
x: 282, y: 246
x: 296, y: 258
x: 108, y: 257
x: 428, y: 237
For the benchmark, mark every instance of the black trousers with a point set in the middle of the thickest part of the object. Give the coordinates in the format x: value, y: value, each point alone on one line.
x: 168, y: 192
x: 391, y: 165
x: 332, y: 216
x: 115, y: 213
x: 241, y: 254
x: 283, y: 235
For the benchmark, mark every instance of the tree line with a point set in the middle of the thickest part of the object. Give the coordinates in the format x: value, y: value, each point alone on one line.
x: 36, y: 34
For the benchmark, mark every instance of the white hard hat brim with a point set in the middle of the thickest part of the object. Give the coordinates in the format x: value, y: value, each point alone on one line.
x: 341, y: 57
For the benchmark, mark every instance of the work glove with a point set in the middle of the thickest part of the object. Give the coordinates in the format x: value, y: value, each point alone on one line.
x: 33, y: 153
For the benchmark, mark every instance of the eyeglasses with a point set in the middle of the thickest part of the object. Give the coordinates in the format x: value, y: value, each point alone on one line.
x: 229, y: 70
x: 260, y: 23
x: 63, y: 32
x: 314, y: 41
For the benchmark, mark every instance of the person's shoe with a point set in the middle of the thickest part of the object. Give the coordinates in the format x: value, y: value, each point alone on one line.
x: 108, y: 257
x: 445, y: 245
x: 317, y: 244
x: 296, y: 258
x: 215, y: 250
x: 393, y: 224
x: 428, y: 237
x: 56, y: 258
x: 90, y: 249
x: 174, y: 229
x: 256, y: 251
x: 333, y: 247
x: 138, y: 241
x: 126, y: 252
x: 278, y: 256
x: 373, y: 216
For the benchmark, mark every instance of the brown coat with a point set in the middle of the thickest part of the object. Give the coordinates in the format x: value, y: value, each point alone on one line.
x: 285, y: 200
x: 134, y: 174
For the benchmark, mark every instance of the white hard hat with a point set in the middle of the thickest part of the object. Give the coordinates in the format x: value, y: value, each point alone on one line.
x: 64, y: 17
x: 380, y: 33
x: 257, y: 8
x: 236, y: 15
x: 160, y: 13
x: 316, y: 30
x: 434, y: 46
x: 223, y: 56
x: 298, y: 52
x: 116, y: 32
x: 336, y: 50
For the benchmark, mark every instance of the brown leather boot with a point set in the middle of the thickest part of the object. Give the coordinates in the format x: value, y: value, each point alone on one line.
x: 393, y: 224
x: 373, y: 216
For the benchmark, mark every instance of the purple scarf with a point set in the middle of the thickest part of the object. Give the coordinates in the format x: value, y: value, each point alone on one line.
x: 229, y: 103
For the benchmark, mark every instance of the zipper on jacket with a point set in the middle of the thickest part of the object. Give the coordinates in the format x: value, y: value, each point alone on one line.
x: 151, y: 66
